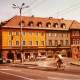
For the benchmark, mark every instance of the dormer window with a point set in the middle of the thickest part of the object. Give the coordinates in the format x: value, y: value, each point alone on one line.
x: 39, y: 24
x: 55, y: 25
x: 48, y: 24
x: 22, y: 23
x: 31, y: 24
x: 63, y: 25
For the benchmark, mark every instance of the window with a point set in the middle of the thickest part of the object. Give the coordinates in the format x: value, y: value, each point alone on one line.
x: 78, y: 42
x: 56, y: 42
x: 24, y: 43
x: 42, y: 43
x: 39, y: 24
x: 50, y: 34
x: 10, y: 33
x: 36, y: 43
x: 61, y: 42
x: 17, y: 42
x: 74, y: 41
x: 50, y: 42
x: 63, y: 25
x: 31, y: 24
x: 30, y: 33
x: 10, y: 43
x: 56, y: 34
x: 67, y: 34
x: 30, y: 43
x: 61, y: 34
x: 73, y: 33
x: 74, y: 50
x: 67, y: 42
x: 17, y: 33
x: 77, y: 33
x: 23, y: 33
x: 22, y: 23
x: 48, y: 24
x: 55, y: 25
x: 42, y: 33
x: 36, y: 33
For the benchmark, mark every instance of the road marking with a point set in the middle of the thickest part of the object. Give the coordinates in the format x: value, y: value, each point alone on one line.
x: 54, y: 78
x: 16, y: 75
x: 10, y: 69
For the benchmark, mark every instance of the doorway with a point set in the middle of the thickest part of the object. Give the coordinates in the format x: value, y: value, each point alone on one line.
x: 26, y: 55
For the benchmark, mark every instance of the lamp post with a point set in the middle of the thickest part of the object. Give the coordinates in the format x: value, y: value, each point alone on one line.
x: 20, y: 8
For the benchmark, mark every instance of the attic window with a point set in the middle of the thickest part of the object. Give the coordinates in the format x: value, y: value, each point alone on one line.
x: 63, y: 25
x: 55, y: 25
x: 31, y: 24
x: 48, y: 24
x: 39, y: 24
x: 22, y: 23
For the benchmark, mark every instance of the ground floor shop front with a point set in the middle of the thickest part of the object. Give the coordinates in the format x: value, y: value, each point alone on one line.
x: 16, y: 54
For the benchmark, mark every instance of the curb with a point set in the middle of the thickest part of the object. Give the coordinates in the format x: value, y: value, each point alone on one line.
x: 75, y: 64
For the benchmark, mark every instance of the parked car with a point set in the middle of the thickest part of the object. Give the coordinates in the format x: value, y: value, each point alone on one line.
x: 3, y: 60
x: 43, y: 57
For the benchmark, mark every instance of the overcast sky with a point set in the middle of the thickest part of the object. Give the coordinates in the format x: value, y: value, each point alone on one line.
x: 67, y: 9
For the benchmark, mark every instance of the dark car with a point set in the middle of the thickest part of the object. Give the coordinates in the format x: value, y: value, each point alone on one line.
x: 3, y: 60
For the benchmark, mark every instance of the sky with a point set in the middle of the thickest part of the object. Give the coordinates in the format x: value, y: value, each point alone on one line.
x: 67, y: 9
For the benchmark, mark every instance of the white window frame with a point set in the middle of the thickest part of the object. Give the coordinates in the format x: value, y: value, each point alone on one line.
x: 50, y: 34
x: 30, y: 33
x: 42, y: 41
x: 10, y: 34
x: 42, y: 33
x: 17, y: 33
x: 73, y: 41
x: 25, y: 42
x: 9, y: 43
x: 16, y: 42
x: 23, y: 33
x: 37, y: 43
x: 36, y: 34
x: 56, y: 34
x: 29, y: 42
x: 77, y: 33
x: 77, y: 41
x: 73, y: 33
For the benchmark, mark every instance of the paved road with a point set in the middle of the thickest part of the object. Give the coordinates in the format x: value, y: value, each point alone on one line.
x: 37, y: 73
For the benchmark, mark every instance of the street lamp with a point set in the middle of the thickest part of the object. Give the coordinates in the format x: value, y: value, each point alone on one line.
x: 20, y: 8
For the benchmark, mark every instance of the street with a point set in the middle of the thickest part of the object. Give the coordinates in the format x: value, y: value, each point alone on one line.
x: 30, y: 72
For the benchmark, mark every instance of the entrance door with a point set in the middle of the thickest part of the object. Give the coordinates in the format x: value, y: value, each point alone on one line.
x: 26, y: 55
x: 68, y: 55
x: 18, y: 56
x: 10, y: 55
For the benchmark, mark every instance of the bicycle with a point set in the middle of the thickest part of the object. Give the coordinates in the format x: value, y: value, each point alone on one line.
x: 56, y: 66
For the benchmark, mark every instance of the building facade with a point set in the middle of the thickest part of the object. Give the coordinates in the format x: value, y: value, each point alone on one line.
x: 40, y: 36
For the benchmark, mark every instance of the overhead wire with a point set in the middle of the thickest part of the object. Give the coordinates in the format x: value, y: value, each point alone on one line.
x: 65, y: 9
x: 35, y: 6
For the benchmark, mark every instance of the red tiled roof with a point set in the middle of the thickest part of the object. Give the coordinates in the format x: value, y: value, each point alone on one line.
x: 75, y: 25
x: 14, y: 23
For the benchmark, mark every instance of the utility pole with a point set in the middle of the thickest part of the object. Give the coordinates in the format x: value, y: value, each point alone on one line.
x: 20, y: 8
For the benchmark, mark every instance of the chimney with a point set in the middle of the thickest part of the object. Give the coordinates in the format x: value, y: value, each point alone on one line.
x: 50, y: 17
x: 32, y: 16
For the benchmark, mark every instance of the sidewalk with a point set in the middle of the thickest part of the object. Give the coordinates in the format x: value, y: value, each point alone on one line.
x: 48, y: 62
